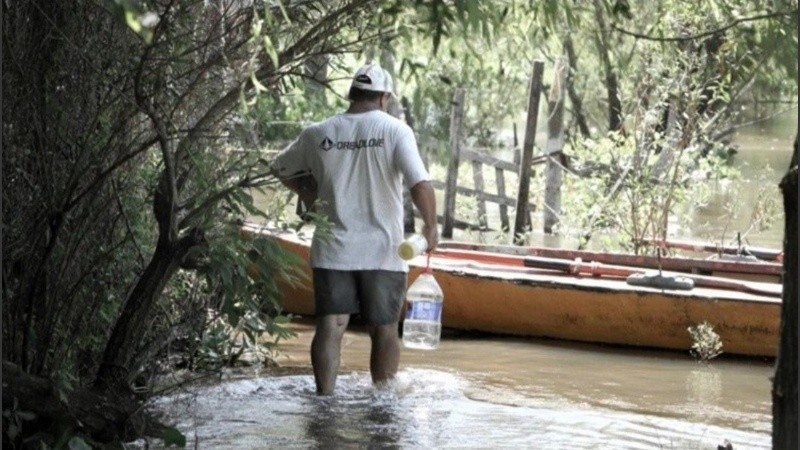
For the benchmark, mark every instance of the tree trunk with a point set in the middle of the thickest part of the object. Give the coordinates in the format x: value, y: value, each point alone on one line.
x: 784, y: 388
x: 130, y: 327
x: 612, y: 84
x: 672, y: 129
x: 577, y: 102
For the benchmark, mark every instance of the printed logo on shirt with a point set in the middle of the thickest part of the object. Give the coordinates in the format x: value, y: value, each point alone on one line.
x: 328, y: 144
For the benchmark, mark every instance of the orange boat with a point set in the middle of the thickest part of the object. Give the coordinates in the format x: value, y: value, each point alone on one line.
x: 581, y: 301
x: 743, y: 269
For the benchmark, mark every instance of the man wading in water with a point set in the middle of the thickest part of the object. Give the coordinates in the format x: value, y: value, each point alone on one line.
x: 359, y: 160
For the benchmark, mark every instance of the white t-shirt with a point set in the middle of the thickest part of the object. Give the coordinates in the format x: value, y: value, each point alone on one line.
x: 359, y: 162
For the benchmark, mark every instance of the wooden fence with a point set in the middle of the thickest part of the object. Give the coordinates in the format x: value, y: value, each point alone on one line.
x: 521, y: 166
x: 477, y: 160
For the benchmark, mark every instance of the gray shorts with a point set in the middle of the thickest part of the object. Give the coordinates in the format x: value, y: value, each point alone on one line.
x: 376, y: 294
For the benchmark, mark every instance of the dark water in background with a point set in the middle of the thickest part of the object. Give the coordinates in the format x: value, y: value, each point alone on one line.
x: 497, y: 392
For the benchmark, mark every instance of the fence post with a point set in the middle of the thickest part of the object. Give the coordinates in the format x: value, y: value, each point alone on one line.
x: 501, y: 192
x: 555, y: 144
x: 477, y: 179
x: 501, y: 182
x: 456, y: 120
x: 535, y: 90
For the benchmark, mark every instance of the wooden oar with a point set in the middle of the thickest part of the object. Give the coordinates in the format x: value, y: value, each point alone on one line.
x: 762, y: 253
x: 456, y: 264
x: 483, y: 257
x: 578, y: 267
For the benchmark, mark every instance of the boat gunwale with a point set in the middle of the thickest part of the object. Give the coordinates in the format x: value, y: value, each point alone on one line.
x: 677, y: 263
x: 543, y: 277
x: 551, y: 278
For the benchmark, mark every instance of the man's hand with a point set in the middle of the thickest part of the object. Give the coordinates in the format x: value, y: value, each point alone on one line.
x: 306, y: 188
x: 432, y: 236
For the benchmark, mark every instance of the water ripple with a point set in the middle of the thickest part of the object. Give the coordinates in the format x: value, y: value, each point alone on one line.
x: 420, y: 409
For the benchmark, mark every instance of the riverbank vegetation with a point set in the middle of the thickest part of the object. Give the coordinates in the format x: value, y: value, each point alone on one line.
x: 134, y: 136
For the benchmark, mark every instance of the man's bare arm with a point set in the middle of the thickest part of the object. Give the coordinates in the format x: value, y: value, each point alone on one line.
x: 304, y: 186
x: 424, y: 199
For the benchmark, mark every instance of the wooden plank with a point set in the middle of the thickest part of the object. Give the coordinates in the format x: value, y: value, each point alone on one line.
x: 489, y: 160
x: 460, y: 224
x: 501, y: 192
x: 477, y: 180
x: 535, y: 89
x: 508, y: 201
x: 456, y: 136
x: 554, y: 172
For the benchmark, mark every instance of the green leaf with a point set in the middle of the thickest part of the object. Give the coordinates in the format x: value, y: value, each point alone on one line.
x: 172, y: 436
x: 77, y: 443
x: 257, y: 84
x: 134, y: 17
x: 12, y: 431
x: 272, y: 52
x: 132, y: 20
x: 281, y: 320
x: 474, y: 14
x: 283, y: 11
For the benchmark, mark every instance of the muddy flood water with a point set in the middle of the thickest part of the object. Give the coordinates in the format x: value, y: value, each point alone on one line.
x: 480, y: 391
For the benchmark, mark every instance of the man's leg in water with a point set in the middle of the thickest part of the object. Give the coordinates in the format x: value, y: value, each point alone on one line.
x: 384, y: 356
x: 326, y: 350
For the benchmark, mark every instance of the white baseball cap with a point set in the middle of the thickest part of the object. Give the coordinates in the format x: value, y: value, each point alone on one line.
x: 372, y: 77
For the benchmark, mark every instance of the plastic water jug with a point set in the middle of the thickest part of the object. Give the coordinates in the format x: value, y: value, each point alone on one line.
x: 422, y: 328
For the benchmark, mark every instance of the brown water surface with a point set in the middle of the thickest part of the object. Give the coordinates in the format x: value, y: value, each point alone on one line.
x: 480, y: 391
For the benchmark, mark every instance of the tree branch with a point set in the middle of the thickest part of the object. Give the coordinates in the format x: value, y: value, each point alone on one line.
x: 706, y: 33
x: 166, y: 192
x: 191, y: 217
x: 106, y: 173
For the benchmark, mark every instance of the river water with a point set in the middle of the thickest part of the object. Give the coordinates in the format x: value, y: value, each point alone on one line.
x: 482, y: 391
x: 479, y: 391
x: 765, y: 151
